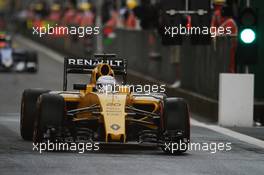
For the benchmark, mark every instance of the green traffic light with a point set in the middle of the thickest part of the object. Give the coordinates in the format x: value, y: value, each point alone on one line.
x: 248, y: 36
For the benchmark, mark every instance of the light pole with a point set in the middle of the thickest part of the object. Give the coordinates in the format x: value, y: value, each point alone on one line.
x: 99, y: 38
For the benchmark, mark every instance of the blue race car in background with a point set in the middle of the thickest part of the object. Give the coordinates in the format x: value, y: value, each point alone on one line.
x: 16, y: 60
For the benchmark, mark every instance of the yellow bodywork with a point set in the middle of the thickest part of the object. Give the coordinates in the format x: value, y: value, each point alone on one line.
x: 112, y: 108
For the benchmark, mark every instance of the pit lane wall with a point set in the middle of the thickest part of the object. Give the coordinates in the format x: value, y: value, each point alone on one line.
x: 200, y: 66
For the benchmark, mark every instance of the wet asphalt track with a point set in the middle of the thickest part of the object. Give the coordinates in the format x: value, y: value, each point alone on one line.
x: 17, y: 157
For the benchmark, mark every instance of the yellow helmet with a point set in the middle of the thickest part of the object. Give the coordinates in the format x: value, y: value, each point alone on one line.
x: 131, y: 4
x: 85, y: 6
x: 220, y: 2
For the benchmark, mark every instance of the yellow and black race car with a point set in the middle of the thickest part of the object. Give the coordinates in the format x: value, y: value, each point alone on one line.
x: 100, y: 111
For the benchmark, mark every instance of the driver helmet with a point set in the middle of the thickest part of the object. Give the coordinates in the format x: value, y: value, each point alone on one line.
x: 106, y: 84
x: 131, y: 4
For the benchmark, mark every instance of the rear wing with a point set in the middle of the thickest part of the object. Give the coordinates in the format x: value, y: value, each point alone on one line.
x: 82, y: 65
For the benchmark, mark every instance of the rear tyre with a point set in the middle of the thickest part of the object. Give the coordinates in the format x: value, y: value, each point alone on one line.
x: 28, y: 111
x: 176, y: 126
x: 50, y: 115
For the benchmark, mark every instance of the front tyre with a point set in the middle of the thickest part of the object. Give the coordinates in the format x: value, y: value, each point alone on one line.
x: 50, y: 115
x: 176, y: 134
x: 28, y: 112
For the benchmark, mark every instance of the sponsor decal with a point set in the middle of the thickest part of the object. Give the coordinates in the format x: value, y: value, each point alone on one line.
x: 113, y: 104
x: 115, y: 127
x: 93, y: 62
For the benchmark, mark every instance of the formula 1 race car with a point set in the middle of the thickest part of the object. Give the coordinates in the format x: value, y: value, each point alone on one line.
x: 95, y: 112
x: 16, y: 60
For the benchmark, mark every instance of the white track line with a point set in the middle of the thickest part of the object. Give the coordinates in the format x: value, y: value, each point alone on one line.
x: 8, y: 119
x: 58, y: 57
x: 230, y: 133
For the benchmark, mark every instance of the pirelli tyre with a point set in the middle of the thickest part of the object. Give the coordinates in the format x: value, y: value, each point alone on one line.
x: 176, y: 134
x: 28, y: 111
x: 50, y: 115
